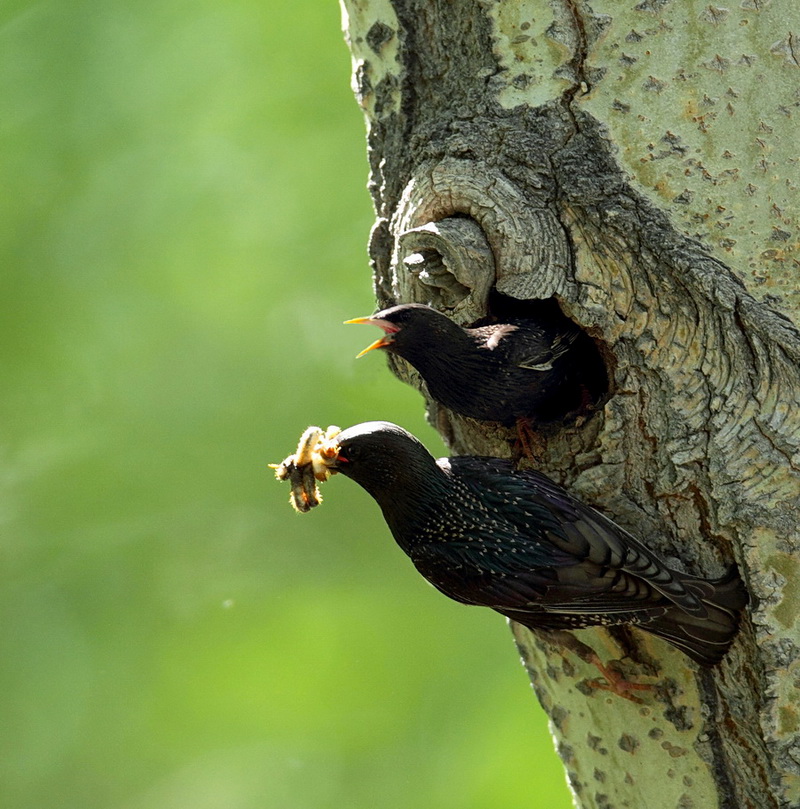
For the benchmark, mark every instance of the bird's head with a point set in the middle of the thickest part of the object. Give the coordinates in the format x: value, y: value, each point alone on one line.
x: 409, y: 328
x: 383, y: 458
x: 386, y: 460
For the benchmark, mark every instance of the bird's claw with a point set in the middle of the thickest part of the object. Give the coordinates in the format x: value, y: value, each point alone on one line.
x: 615, y: 682
x: 529, y: 441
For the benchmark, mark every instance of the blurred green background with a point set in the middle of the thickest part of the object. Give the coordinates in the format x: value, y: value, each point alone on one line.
x: 184, y: 220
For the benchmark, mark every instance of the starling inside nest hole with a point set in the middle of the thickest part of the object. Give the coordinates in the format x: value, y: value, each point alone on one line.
x: 526, y: 365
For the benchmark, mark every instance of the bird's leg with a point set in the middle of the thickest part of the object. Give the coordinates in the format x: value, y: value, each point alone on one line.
x: 587, y: 401
x: 614, y: 681
x: 529, y: 441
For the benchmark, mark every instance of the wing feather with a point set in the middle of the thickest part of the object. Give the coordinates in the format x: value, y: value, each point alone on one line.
x: 528, y: 498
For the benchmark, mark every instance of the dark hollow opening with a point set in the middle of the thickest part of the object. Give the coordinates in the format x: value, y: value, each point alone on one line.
x: 587, y: 386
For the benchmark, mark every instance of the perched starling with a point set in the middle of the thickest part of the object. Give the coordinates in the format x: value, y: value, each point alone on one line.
x: 487, y: 534
x: 531, y: 370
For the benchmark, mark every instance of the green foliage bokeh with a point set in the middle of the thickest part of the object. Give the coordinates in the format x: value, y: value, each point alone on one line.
x: 184, y: 221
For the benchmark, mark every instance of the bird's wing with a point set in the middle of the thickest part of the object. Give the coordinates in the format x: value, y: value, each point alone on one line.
x: 524, y: 344
x: 474, y: 573
x: 536, y: 355
x: 492, y: 573
x: 532, y: 502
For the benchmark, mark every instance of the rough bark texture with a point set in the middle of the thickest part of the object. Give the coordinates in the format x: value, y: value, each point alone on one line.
x: 638, y: 162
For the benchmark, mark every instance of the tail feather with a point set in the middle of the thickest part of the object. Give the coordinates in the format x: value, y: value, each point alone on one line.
x: 704, y: 639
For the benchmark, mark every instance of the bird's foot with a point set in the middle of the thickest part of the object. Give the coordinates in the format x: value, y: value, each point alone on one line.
x: 612, y: 679
x: 529, y: 443
x: 615, y: 682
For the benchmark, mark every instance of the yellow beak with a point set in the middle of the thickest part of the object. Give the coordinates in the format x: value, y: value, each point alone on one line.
x: 381, y: 342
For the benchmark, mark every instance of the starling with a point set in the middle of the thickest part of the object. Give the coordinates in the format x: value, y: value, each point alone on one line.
x: 487, y: 534
x: 535, y: 371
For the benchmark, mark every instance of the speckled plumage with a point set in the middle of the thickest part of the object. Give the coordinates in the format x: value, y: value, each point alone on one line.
x: 486, y: 534
x: 533, y: 369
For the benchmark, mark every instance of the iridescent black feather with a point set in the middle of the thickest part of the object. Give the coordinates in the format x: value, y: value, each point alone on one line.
x: 539, y: 369
x: 484, y: 533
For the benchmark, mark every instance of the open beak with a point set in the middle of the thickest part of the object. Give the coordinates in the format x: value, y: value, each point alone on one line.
x: 382, y: 342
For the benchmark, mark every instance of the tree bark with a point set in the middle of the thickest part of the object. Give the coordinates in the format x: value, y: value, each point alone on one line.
x: 638, y: 162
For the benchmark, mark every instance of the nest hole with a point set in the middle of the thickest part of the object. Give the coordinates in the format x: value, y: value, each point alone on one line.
x: 593, y: 359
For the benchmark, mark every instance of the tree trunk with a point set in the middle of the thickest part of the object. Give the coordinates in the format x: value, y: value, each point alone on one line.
x: 638, y: 162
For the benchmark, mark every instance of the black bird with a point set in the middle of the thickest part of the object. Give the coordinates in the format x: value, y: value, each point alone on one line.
x: 532, y: 370
x: 484, y: 533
